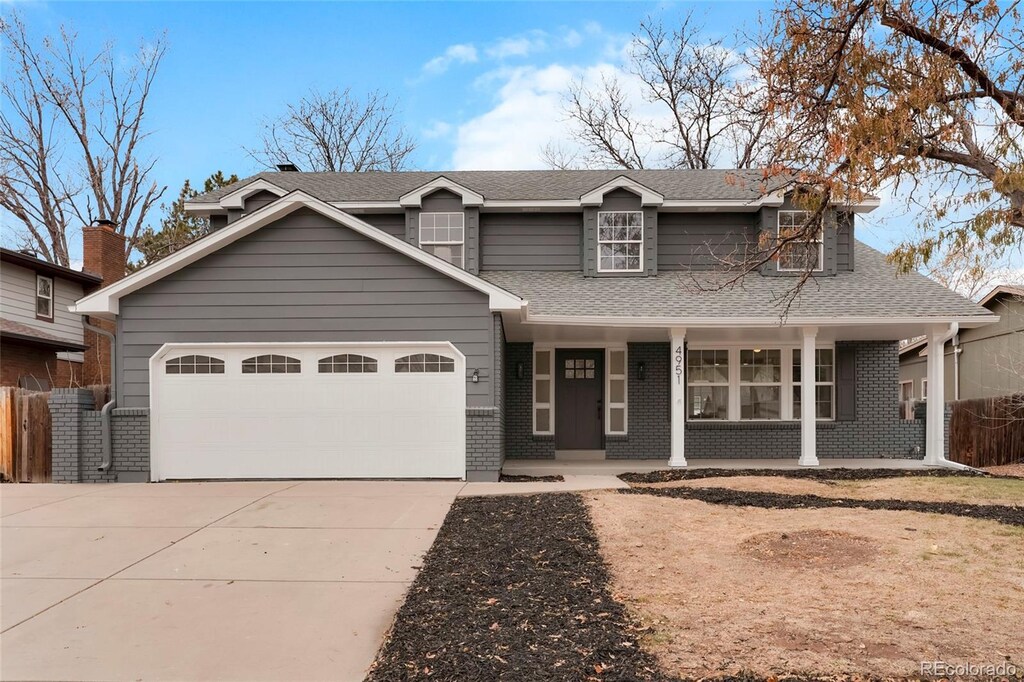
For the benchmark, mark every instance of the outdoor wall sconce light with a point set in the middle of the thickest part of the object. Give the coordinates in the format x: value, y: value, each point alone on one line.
x: 641, y: 370
x: 476, y: 376
x: 520, y: 370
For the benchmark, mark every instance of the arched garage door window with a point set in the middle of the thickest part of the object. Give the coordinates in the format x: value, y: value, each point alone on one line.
x: 424, y: 362
x: 194, y: 364
x: 271, y: 364
x: 348, y: 363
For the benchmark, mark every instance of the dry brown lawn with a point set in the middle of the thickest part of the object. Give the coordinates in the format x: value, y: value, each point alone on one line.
x: 1007, y: 470
x: 824, y: 591
x: 967, y: 489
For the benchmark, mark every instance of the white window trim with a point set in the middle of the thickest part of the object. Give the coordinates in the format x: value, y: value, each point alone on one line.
x: 49, y: 298
x: 618, y: 241
x: 783, y: 352
x: 434, y: 242
x: 924, y: 389
x: 732, y: 391
x: 608, y: 377
x: 549, y: 405
x: 832, y: 384
x: 907, y: 383
x: 786, y: 409
x: 820, y: 241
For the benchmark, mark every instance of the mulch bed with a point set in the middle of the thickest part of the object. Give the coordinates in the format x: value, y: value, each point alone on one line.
x: 516, y: 478
x: 1009, y: 515
x: 514, y: 588
x: 666, y: 475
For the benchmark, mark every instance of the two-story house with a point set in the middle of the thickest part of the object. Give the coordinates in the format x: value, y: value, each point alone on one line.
x: 434, y: 324
x: 42, y: 343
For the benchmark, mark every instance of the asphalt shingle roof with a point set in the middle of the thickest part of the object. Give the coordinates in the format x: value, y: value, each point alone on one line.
x: 873, y: 289
x: 541, y: 185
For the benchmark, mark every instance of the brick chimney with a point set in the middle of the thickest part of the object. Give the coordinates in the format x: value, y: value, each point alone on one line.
x: 103, y: 251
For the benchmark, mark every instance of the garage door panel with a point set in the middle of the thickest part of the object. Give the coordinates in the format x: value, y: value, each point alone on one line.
x: 309, y: 424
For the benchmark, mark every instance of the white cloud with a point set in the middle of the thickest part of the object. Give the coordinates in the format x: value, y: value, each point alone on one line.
x: 455, y: 54
x: 528, y: 114
x: 519, y: 46
x: 437, y: 129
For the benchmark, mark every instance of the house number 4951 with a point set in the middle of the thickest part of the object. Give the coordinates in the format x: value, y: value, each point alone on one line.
x: 679, y: 364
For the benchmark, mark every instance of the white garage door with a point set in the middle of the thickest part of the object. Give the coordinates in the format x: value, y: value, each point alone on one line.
x: 308, y: 411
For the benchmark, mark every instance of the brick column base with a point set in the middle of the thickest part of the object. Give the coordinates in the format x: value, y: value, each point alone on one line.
x: 67, y: 411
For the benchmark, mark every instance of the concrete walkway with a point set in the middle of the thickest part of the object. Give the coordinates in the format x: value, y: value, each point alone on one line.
x: 614, y: 467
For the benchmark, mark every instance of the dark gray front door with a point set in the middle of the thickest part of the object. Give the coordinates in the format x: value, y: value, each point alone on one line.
x: 579, y: 387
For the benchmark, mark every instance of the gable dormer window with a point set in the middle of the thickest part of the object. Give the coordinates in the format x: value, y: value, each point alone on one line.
x: 801, y: 254
x: 620, y: 241
x: 444, y: 235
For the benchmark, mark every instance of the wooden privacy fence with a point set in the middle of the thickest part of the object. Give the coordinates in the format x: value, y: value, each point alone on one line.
x: 24, y: 435
x: 987, y: 431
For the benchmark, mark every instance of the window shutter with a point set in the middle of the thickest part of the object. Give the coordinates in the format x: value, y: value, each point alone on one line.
x: 846, y: 383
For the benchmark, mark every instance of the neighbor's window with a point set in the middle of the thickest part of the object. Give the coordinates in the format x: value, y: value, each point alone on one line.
x: 761, y: 383
x: 924, y: 389
x: 801, y: 254
x: 271, y: 364
x: 824, y: 383
x: 444, y: 235
x: 424, y: 362
x: 348, y: 363
x: 44, y: 297
x: 620, y: 241
x: 194, y: 364
x: 707, y: 384
x: 906, y: 391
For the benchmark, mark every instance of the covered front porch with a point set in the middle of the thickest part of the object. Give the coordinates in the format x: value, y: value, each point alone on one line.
x: 619, y: 398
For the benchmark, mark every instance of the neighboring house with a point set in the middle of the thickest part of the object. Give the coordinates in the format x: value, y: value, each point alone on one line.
x: 432, y: 324
x: 42, y: 343
x: 981, y: 362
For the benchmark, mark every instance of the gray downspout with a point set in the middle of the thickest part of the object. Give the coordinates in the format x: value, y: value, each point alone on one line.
x: 108, y: 448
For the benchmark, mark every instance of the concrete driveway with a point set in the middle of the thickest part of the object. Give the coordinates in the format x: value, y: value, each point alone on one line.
x: 208, y: 581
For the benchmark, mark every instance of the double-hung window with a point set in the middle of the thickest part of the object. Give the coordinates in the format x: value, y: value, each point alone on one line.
x: 806, y: 248
x: 824, y: 383
x: 444, y: 235
x: 44, y: 297
x: 707, y: 391
x: 620, y: 241
x: 761, y: 383
x: 755, y: 384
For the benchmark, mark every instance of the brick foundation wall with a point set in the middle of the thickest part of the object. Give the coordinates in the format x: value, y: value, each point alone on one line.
x: 77, y: 440
x: 27, y: 360
x: 520, y: 443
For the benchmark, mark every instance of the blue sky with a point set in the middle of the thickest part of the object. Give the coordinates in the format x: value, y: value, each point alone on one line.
x: 479, y: 84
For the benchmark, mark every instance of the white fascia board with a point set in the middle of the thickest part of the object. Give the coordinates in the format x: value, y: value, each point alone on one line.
x: 414, y: 198
x: 106, y: 301
x: 648, y: 197
x: 236, y: 199
x: 730, y: 322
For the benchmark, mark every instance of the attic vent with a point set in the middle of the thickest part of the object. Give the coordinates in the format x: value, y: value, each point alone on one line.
x: 287, y: 168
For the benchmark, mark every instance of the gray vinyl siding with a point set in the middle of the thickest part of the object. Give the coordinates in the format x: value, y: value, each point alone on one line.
x: 620, y: 200
x: 530, y: 241
x: 303, y: 278
x: 259, y: 200
x: 845, y: 241
x: 703, y: 241
x: 18, y: 304
x: 392, y: 223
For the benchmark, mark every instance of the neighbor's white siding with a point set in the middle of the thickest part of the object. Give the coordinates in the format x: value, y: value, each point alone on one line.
x: 18, y: 302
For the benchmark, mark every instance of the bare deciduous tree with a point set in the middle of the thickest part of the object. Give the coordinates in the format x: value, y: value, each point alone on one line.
x: 71, y: 135
x: 337, y: 131
x: 705, y: 109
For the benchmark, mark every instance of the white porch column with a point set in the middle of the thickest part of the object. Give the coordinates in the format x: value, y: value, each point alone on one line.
x: 677, y: 417
x: 934, y: 445
x: 808, y: 418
